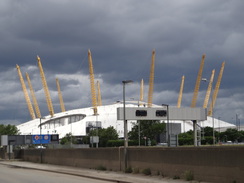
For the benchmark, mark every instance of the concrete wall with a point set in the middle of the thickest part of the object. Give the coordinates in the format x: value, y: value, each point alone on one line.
x: 2, y: 154
x: 214, y: 164
x: 87, y: 158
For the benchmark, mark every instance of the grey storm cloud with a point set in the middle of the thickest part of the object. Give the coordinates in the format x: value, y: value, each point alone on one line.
x: 121, y: 35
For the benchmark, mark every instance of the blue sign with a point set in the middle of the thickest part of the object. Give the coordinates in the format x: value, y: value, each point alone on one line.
x: 41, y: 139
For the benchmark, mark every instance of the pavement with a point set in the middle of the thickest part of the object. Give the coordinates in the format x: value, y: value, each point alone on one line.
x: 107, y: 176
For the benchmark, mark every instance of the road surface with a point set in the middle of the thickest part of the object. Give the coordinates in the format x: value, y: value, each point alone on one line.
x: 15, y: 171
x: 11, y: 174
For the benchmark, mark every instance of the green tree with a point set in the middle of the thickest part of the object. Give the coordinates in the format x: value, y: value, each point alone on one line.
x: 67, y: 139
x: 232, y: 134
x: 208, y: 131
x: 8, y: 130
x: 148, y: 128
x: 186, y: 138
x: 104, y: 134
x: 207, y: 137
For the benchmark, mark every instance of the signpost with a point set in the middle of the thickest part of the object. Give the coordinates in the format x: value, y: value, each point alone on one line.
x: 159, y: 113
x: 41, y: 139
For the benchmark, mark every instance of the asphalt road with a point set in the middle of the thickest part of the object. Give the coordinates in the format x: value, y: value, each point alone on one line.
x: 15, y: 171
x: 11, y: 174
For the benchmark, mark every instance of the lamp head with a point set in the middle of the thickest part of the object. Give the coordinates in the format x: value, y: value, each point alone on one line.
x: 204, y: 79
x: 127, y: 81
x: 165, y: 105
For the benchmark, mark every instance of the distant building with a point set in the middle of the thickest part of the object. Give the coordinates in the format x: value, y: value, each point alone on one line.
x: 80, y: 121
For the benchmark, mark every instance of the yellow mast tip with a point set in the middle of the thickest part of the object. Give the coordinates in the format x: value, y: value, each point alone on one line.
x: 89, y: 52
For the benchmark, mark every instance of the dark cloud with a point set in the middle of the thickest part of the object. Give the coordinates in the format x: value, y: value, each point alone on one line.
x: 121, y: 35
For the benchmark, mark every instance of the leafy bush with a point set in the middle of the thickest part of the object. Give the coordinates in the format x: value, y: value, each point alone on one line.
x: 207, y: 140
x: 147, y: 171
x: 176, y: 177
x: 105, y: 134
x: 115, y: 143
x: 136, y: 170
x: 188, y: 175
x: 128, y: 170
x: 133, y: 143
x: 101, y: 167
x: 158, y: 173
x: 68, y: 138
x: 8, y: 130
x: 186, y: 141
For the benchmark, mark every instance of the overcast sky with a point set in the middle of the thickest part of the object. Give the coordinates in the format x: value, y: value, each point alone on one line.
x: 121, y: 35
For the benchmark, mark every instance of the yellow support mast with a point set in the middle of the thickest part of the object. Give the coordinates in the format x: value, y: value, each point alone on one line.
x: 38, y: 113
x: 205, y: 104
x: 197, y: 86
x: 60, y: 96
x: 99, y: 97
x: 181, y: 91
x: 45, y: 87
x: 27, y: 98
x: 216, y: 90
x: 93, y: 90
x: 151, y: 80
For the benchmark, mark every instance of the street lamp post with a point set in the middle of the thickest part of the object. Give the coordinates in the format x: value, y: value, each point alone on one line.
x: 41, y: 138
x: 71, y: 140
x: 237, y: 122
x: 40, y: 132
x: 125, y: 124
x: 219, y: 123
x: 168, y: 136
x: 139, y: 133
x: 213, y: 123
x: 205, y: 80
x: 41, y: 135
